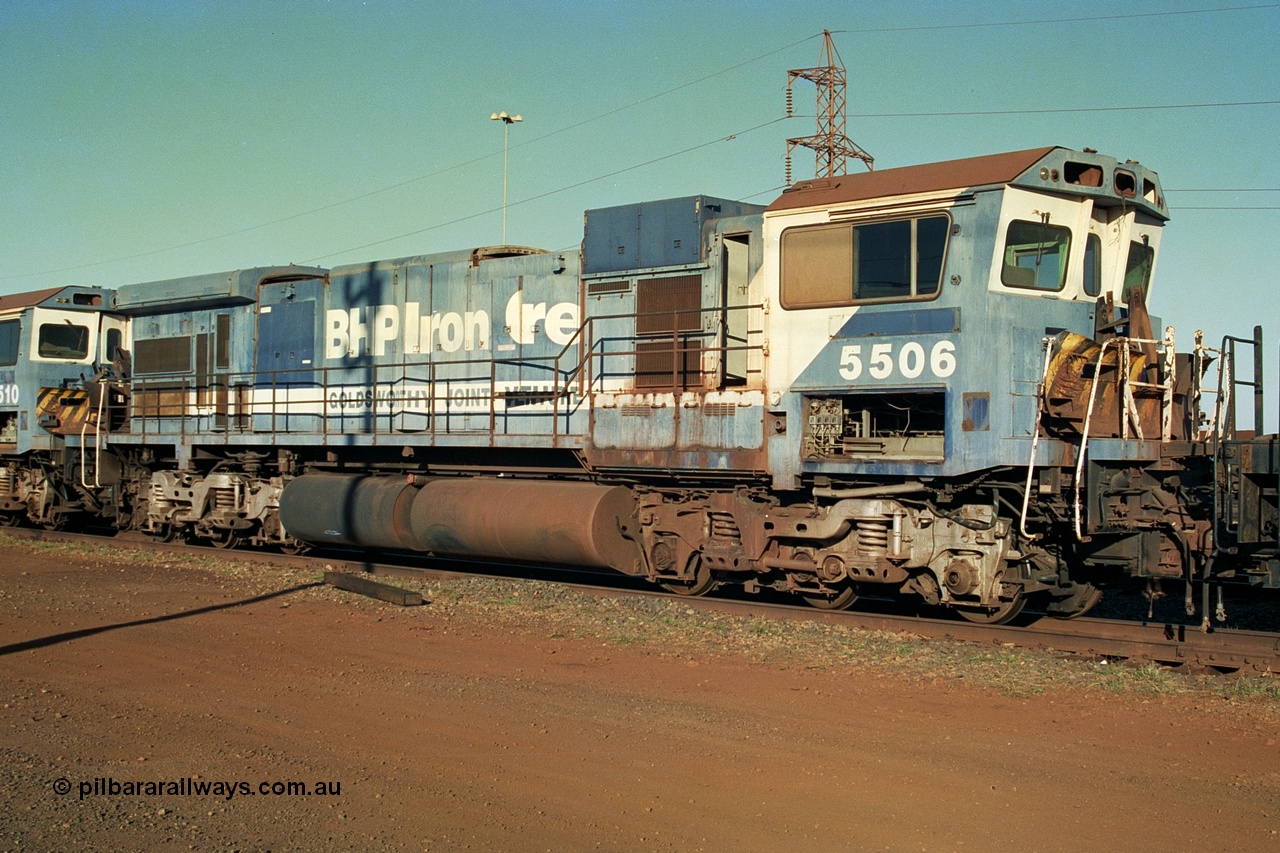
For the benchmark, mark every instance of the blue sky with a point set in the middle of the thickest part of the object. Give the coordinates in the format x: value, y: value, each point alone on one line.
x: 146, y: 140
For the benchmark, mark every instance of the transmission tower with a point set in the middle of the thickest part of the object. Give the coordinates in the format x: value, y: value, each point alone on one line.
x: 830, y: 146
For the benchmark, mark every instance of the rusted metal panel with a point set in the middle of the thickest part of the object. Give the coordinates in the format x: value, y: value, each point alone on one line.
x: 720, y: 425
x: 930, y: 177
x: 977, y: 411
x: 1086, y: 384
x: 26, y: 300
x: 741, y: 465
x: 59, y: 410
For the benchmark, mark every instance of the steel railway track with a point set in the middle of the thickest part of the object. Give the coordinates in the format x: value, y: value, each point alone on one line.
x: 1167, y: 644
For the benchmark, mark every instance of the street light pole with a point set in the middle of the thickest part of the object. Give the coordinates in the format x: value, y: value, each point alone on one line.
x: 507, y: 121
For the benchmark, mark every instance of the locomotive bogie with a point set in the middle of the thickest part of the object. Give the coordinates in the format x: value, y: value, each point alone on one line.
x: 29, y: 492
x: 220, y: 507
x: 820, y: 550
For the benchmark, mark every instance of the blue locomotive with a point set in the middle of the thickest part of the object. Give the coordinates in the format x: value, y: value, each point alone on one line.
x: 51, y: 342
x: 940, y: 381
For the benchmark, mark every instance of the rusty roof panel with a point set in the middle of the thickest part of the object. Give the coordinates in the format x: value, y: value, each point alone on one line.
x: 26, y: 300
x: 82, y: 297
x: 907, y: 180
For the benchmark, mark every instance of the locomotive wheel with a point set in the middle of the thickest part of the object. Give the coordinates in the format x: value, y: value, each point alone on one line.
x: 701, y: 584
x: 1077, y: 605
x: 10, y: 519
x: 225, y: 539
x: 1001, y: 615
x: 165, y: 533
x: 295, y: 548
x: 842, y: 600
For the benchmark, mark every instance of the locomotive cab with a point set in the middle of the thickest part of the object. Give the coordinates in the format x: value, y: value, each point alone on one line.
x: 58, y: 391
x: 917, y: 305
x: 1074, y: 228
x: 906, y: 301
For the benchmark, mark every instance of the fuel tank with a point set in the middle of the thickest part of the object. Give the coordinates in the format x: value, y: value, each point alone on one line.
x: 580, y: 524
x: 347, y: 509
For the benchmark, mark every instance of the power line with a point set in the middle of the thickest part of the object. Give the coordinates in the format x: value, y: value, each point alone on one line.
x: 246, y: 229
x: 1176, y: 208
x: 689, y: 84
x: 1037, y: 22
x: 243, y: 230
x: 1046, y: 111
x: 548, y: 193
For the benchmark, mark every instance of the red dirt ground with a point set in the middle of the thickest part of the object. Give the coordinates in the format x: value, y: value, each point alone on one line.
x: 459, y: 736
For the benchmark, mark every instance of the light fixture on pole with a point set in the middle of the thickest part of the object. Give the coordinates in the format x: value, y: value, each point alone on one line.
x: 507, y: 121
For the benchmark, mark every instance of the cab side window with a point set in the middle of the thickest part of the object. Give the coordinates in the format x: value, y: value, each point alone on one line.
x: 1093, y: 265
x: 9, y: 331
x: 63, y: 340
x: 1035, y: 255
x: 1137, y: 269
x: 846, y: 264
x: 114, y: 340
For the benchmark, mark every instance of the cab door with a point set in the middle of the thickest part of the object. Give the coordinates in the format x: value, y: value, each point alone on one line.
x: 114, y: 363
x: 285, y: 386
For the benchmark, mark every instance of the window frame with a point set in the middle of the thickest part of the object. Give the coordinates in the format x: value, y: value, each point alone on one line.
x: 84, y: 338
x: 1092, y: 265
x: 1064, y: 255
x: 1146, y: 255
x: 787, y: 289
x: 35, y: 348
x: 11, y: 357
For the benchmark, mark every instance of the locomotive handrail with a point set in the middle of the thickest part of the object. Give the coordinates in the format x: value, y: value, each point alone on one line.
x: 589, y: 352
x: 1225, y: 429
x: 172, y: 402
x: 99, y: 438
x: 1125, y: 346
x: 1228, y: 352
x: 1049, y: 343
